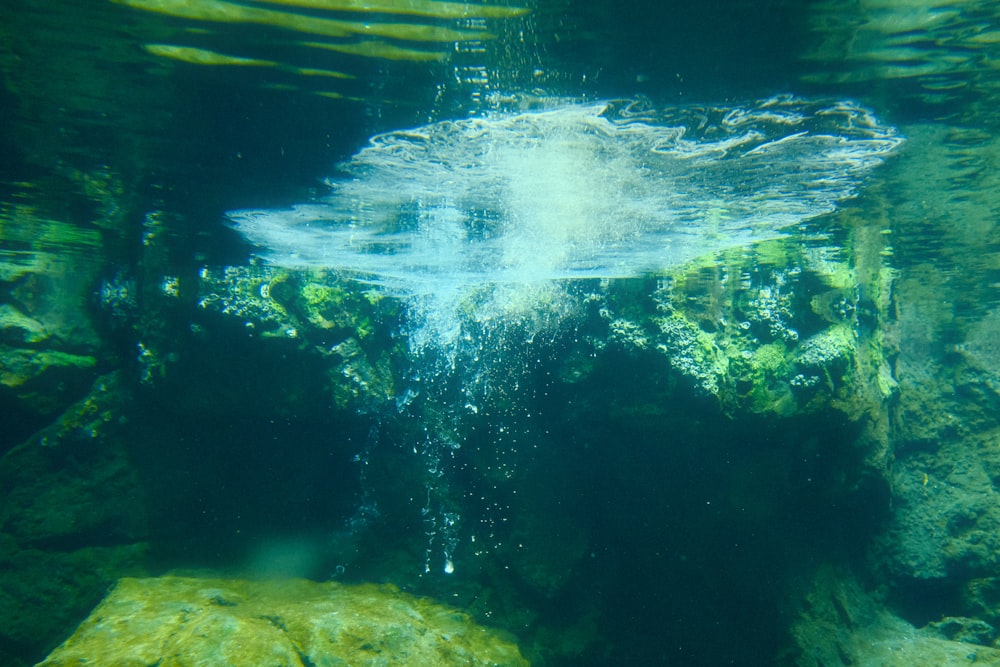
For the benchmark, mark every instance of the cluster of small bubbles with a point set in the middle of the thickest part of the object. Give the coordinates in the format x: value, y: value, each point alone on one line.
x: 473, y: 23
x: 471, y: 75
x: 771, y: 311
x: 149, y: 363
x: 171, y: 286
x: 691, y: 354
x: 152, y: 225
x: 827, y: 347
x: 628, y: 334
x: 491, y: 523
x: 802, y: 380
x: 449, y: 522
x: 842, y: 308
x: 244, y: 292
x: 441, y: 526
x: 119, y: 296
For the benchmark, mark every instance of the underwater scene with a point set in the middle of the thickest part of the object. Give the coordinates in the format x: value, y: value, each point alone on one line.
x: 499, y: 332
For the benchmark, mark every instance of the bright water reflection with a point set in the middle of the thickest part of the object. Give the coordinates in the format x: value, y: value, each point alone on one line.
x: 508, y: 203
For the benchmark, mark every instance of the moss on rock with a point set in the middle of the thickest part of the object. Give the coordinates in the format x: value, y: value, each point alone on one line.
x: 172, y: 621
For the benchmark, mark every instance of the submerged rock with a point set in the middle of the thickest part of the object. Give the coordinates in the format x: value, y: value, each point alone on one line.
x: 843, y: 624
x: 293, y: 623
x: 73, y: 519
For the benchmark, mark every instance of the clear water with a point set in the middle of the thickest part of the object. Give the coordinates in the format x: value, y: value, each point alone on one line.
x: 508, y: 187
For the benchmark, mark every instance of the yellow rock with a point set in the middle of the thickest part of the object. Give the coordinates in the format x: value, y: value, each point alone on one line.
x: 175, y: 621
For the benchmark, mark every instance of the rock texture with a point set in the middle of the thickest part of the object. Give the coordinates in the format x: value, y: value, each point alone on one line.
x: 72, y: 521
x: 843, y: 624
x: 172, y: 621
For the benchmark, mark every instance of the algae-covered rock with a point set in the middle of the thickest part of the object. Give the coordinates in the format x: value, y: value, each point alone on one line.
x: 72, y: 521
x: 843, y: 624
x: 946, y: 518
x: 64, y: 487
x: 777, y: 329
x: 692, y: 352
x: 45, y: 592
x: 43, y: 380
x: 349, y: 328
x: 172, y: 621
x: 50, y: 348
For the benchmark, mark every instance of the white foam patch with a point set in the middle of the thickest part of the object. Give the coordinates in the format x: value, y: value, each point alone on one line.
x: 508, y: 204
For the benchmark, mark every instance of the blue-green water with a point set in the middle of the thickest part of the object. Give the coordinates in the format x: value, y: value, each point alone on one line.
x: 663, y: 334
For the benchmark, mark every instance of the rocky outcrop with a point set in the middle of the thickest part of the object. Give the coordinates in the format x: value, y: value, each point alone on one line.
x: 295, y: 623
x: 843, y: 624
x: 72, y: 520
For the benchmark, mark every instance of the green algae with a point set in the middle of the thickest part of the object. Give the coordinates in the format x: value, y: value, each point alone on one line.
x: 173, y: 621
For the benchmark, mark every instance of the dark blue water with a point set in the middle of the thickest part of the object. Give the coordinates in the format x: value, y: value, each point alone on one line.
x: 576, y: 470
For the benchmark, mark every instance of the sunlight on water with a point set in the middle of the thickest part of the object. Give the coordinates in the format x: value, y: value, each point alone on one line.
x: 482, y: 218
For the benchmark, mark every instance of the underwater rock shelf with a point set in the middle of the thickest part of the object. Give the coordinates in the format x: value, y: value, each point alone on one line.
x: 187, y: 621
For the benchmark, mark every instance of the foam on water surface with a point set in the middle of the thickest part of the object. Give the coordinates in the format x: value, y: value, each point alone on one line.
x: 497, y: 209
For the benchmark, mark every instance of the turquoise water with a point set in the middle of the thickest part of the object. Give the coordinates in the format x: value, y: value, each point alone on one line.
x: 656, y: 335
